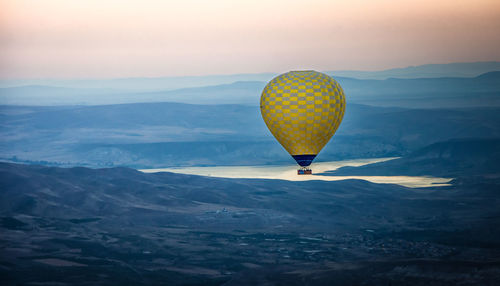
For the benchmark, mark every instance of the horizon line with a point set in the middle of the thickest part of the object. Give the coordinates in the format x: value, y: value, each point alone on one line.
x: 241, y: 73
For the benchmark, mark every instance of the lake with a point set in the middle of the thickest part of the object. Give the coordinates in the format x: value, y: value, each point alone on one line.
x: 289, y: 173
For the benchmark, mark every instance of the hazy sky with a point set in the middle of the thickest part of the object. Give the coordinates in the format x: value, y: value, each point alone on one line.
x: 102, y: 38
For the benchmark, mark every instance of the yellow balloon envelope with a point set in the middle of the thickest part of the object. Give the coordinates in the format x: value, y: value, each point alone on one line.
x: 303, y: 109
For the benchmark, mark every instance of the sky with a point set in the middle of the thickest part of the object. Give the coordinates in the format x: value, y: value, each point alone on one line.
x: 150, y: 38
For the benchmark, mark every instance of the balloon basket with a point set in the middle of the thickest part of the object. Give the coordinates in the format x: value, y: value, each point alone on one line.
x: 304, y: 171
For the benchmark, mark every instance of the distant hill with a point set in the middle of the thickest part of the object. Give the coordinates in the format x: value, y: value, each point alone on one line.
x: 449, y: 92
x: 241, y: 92
x: 483, y: 90
x: 453, y: 158
x: 432, y: 87
x: 471, y: 69
x: 142, y: 84
x: 43, y: 95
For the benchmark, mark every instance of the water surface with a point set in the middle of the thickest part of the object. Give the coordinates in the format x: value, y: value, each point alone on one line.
x: 289, y: 172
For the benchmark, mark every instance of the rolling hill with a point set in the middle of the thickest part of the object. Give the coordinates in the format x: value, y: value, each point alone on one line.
x: 121, y: 226
x: 453, y: 158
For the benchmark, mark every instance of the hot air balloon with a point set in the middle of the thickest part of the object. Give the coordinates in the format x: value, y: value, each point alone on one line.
x: 303, y: 109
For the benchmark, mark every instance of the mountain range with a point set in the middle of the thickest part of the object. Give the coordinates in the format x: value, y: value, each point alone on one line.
x: 448, y: 91
x: 471, y: 69
x: 466, y: 69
